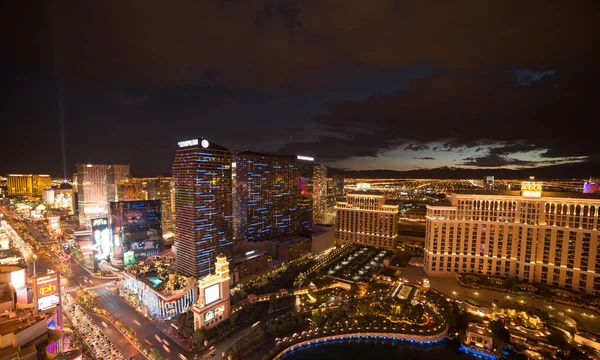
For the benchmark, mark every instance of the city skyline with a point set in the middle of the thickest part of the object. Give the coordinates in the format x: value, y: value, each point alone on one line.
x: 448, y: 86
x: 293, y: 179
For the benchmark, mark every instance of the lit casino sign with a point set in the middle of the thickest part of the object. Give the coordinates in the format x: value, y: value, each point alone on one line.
x: 47, y: 285
x: 187, y: 143
x: 47, y: 289
x: 97, y: 222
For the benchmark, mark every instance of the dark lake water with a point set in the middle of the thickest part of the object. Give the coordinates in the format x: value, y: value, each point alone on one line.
x: 447, y: 350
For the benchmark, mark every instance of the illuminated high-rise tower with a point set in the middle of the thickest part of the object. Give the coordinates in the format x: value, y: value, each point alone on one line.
x: 319, y: 193
x: 96, y: 187
x: 203, y: 205
x: 27, y: 184
x: 273, y: 196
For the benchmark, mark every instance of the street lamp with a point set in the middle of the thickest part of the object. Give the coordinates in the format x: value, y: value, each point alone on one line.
x: 34, y: 256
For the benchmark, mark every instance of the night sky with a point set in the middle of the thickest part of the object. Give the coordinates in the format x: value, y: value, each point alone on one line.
x: 358, y: 84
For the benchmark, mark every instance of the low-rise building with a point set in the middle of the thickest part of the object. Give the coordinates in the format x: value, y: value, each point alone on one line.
x: 479, y: 335
x: 587, y: 339
x: 293, y: 248
x: 16, y: 332
x: 252, y: 262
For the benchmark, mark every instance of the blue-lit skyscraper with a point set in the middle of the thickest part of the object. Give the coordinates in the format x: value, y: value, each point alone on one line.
x: 203, y: 205
x: 273, y: 196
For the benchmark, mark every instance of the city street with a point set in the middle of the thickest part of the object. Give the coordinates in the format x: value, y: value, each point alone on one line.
x: 85, y: 322
x: 145, y: 330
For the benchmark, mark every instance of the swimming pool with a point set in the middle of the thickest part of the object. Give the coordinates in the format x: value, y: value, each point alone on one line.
x: 155, y: 280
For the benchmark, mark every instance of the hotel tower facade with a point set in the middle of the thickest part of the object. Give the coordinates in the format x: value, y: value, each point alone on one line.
x: 533, y: 236
x: 203, y: 205
x: 365, y: 219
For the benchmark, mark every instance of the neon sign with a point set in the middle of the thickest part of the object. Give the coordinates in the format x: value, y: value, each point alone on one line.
x: 47, y: 285
x: 101, y: 221
x: 307, y: 158
x: 48, y: 289
x: 187, y: 143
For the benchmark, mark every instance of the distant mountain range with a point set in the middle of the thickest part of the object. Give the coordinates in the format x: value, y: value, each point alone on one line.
x: 567, y: 171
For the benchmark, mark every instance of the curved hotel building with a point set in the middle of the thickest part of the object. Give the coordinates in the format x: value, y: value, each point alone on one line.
x: 365, y: 219
x: 530, y: 235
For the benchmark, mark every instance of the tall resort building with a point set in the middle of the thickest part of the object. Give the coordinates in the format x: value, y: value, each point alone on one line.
x: 534, y: 236
x: 27, y: 184
x: 319, y: 193
x: 273, y: 196
x: 96, y: 188
x: 365, y: 219
x: 136, y: 231
x: 203, y: 205
x: 150, y: 188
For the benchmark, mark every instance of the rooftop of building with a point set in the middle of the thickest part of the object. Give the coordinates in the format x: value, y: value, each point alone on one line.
x: 589, y: 336
x: 480, y: 329
x: 16, y: 325
x: 31, y: 350
x: 440, y: 203
x: 388, y: 272
x: 211, y: 145
x: 365, y: 192
x: 9, y: 353
x: 294, y: 240
x: 254, y: 153
x: 575, y: 195
x: 318, y: 229
x: 248, y: 256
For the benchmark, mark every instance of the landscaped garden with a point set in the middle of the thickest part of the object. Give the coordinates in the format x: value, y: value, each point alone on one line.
x: 160, y: 274
x: 281, y: 278
x: 246, y: 342
x: 245, y: 315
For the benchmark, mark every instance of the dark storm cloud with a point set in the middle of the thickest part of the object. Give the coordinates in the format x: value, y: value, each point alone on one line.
x: 140, y: 77
x: 416, y: 147
x: 513, y: 149
x: 294, y: 44
x: 496, y: 160
x: 493, y: 160
x: 471, y: 110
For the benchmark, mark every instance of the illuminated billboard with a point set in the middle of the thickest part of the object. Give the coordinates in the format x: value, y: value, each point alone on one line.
x: 213, y: 313
x: 48, y: 302
x: 212, y: 294
x: 209, y: 315
x: 47, y: 291
x: 47, y: 285
x: 101, y: 238
x: 128, y: 258
x: 191, y: 142
x: 135, y: 227
x: 135, y: 218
